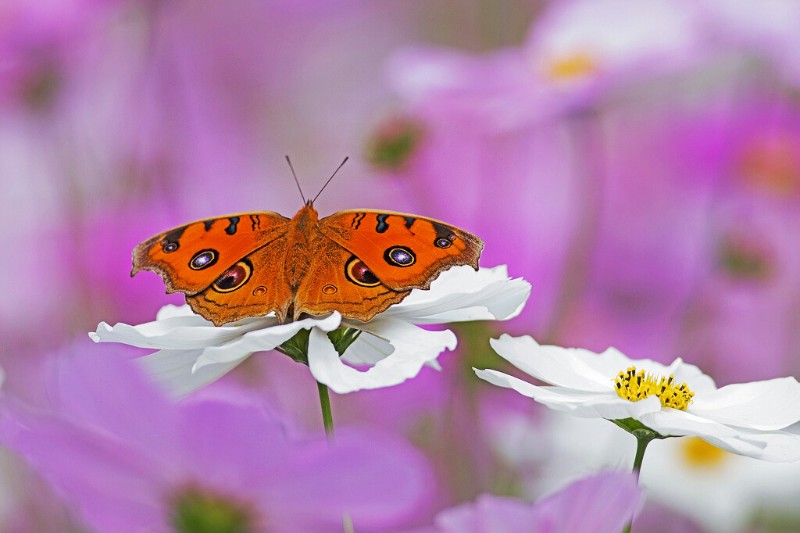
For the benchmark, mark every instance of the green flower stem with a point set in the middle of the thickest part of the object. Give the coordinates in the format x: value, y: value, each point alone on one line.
x: 644, y: 435
x: 643, y: 438
x: 325, y: 405
x: 297, y: 349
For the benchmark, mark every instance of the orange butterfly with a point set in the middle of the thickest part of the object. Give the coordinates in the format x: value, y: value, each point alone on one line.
x: 357, y: 262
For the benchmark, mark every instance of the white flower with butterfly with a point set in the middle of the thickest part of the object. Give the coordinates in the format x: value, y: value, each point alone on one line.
x: 258, y: 281
x: 192, y: 352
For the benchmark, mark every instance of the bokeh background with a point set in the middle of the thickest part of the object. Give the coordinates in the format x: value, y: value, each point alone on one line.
x: 637, y: 161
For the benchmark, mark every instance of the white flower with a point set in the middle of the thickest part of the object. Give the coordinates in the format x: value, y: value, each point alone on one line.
x: 193, y: 352
x: 575, y: 42
x: 721, y: 491
x: 745, y: 419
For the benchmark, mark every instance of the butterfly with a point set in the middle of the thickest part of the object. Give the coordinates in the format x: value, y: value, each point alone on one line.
x: 357, y: 262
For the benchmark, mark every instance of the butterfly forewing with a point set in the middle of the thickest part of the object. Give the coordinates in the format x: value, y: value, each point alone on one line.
x: 190, y: 258
x: 404, y: 251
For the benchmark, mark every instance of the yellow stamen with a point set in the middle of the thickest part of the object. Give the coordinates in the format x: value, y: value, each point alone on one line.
x: 636, y: 385
x: 700, y: 454
x: 577, y: 65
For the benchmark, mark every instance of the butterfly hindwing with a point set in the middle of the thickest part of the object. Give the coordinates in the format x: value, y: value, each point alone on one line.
x: 252, y: 286
x: 339, y: 280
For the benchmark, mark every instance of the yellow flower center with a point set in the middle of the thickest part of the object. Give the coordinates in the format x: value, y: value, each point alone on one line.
x: 699, y: 454
x: 636, y: 385
x: 571, y: 67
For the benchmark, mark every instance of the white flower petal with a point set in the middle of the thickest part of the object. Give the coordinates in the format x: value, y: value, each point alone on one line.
x: 175, y: 333
x: 690, y: 374
x: 674, y: 422
x: 172, y: 311
x: 553, y: 364
x: 262, y: 340
x: 462, y: 294
x: 413, y: 348
x: 367, y: 350
x: 764, y: 405
x: 575, y: 402
x: 779, y: 446
x: 173, y: 370
x: 776, y: 446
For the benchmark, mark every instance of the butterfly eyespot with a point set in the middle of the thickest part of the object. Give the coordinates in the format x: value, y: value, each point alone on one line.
x: 203, y: 259
x: 260, y: 291
x: 359, y: 273
x: 329, y: 289
x: 234, y: 277
x: 170, y: 246
x: 441, y: 242
x: 399, y: 256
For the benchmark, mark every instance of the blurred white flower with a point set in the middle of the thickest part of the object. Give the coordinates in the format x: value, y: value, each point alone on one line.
x: 193, y: 352
x: 719, y: 490
x: 675, y: 400
x: 583, y: 42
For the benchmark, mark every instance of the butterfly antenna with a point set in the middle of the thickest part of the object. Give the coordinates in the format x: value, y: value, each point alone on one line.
x: 303, y: 196
x: 329, y: 179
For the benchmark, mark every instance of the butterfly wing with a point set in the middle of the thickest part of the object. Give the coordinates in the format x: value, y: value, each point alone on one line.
x: 403, y: 251
x: 338, y: 280
x: 253, y: 286
x: 356, y: 262
x: 194, y: 257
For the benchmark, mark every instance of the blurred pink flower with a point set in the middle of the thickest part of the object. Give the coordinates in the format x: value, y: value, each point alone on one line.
x: 39, y: 45
x: 523, y: 132
x: 651, y: 237
x: 129, y: 459
x: 509, y: 187
x: 746, y: 303
x: 600, y: 503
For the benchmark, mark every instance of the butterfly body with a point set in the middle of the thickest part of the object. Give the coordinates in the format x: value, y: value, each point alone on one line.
x: 357, y: 262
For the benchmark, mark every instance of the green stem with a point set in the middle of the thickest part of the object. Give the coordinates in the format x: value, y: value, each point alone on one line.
x: 643, y: 438
x: 325, y: 405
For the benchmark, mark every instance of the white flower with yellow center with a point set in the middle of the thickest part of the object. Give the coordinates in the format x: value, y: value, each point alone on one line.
x: 193, y: 352
x: 674, y: 400
x: 580, y: 42
x: 720, y: 490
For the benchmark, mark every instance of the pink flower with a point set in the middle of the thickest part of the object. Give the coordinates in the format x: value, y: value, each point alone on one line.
x: 746, y: 301
x: 130, y: 460
x: 604, y: 502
